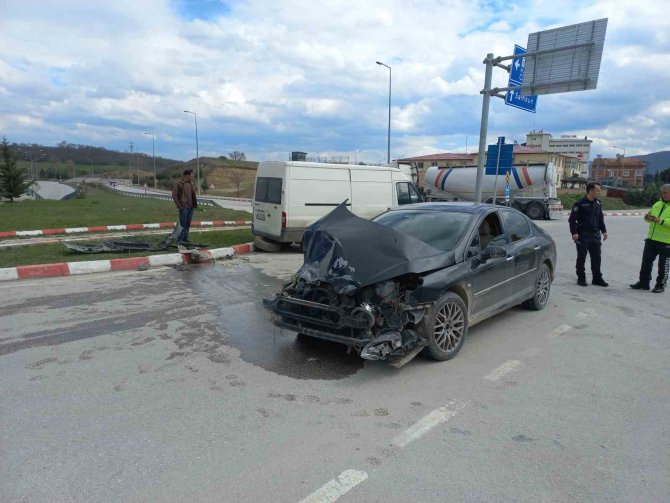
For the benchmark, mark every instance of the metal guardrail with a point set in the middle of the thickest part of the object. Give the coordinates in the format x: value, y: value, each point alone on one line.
x: 163, y: 197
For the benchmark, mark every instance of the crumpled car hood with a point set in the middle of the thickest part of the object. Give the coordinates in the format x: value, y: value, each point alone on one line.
x: 350, y: 252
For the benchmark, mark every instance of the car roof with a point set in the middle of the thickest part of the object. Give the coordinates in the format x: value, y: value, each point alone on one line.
x: 459, y: 207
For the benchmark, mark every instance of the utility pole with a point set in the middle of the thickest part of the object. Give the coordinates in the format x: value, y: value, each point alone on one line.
x: 130, y: 165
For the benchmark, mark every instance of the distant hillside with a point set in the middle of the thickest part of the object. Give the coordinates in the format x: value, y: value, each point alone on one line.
x: 656, y: 161
x: 86, y: 155
x: 229, y: 178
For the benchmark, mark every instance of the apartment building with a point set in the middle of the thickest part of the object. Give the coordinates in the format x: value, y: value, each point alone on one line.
x: 619, y: 172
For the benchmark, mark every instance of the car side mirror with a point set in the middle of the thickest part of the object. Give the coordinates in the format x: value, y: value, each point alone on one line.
x: 493, y: 251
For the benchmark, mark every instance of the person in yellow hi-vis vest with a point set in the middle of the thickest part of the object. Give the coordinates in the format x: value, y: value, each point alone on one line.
x: 656, y: 244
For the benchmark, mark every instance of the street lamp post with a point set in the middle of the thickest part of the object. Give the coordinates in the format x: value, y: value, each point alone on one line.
x: 356, y: 156
x: 388, y: 146
x: 153, y: 154
x: 197, y: 151
x: 622, y: 159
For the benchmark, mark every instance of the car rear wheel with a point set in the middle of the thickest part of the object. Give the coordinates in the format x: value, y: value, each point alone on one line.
x: 542, y: 289
x: 446, y: 328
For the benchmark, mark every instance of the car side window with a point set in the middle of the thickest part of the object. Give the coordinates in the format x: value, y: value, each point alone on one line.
x: 490, y: 232
x: 517, y: 226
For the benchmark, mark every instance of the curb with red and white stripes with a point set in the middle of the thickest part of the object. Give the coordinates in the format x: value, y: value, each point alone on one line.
x: 125, y: 227
x: 119, y: 264
x: 636, y: 213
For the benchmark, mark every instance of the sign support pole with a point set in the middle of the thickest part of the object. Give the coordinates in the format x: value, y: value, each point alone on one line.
x: 484, y: 126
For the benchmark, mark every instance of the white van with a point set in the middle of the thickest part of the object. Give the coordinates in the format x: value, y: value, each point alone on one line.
x: 290, y: 195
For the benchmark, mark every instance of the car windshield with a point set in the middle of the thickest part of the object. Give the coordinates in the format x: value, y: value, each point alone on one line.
x: 440, y: 229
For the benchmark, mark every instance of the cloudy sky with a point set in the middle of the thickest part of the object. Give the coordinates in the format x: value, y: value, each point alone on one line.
x: 267, y: 77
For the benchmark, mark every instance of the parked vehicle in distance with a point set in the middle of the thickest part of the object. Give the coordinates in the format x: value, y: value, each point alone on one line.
x: 532, y: 187
x: 414, y: 278
x: 290, y: 195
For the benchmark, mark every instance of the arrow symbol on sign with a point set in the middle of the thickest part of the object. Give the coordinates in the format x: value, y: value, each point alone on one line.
x: 516, y: 64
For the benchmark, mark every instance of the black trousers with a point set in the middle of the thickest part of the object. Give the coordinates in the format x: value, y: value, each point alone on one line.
x: 653, y: 249
x: 588, y: 244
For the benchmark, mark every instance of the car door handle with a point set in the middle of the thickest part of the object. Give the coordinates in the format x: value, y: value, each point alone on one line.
x: 537, y: 247
x: 511, y: 257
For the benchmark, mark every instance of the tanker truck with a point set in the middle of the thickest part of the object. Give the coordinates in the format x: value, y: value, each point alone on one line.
x: 532, y: 187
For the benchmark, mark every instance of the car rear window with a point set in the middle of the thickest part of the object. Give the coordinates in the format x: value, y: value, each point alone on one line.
x: 268, y: 190
x: 440, y: 229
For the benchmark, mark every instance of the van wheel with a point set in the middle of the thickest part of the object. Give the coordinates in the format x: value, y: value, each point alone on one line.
x: 265, y: 245
x: 535, y: 211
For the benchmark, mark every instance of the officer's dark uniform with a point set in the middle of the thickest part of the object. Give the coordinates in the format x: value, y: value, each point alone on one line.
x: 587, y: 220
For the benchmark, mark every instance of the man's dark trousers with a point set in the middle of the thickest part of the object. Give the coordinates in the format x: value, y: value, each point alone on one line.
x: 185, y: 217
x: 588, y: 243
x: 651, y: 250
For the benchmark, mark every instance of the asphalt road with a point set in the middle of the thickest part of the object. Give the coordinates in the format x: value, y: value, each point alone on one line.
x: 172, y: 385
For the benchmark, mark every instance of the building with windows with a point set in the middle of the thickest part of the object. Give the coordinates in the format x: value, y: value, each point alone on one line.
x: 568, y: 145
x: 619, y: 172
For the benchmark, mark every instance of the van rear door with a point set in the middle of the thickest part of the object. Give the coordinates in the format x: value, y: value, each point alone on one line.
x: 267, y: 217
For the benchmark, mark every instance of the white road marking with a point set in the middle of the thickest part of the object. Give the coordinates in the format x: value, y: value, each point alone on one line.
x: 505, y: 368
x: 427, y: 423
x: 559, y: 331
x: 338, y: 487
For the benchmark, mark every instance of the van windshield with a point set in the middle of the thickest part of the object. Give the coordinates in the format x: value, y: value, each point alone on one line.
x: 268, y: 190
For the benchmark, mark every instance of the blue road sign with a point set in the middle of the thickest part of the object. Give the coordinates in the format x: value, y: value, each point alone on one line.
x: 504, y: 163
x: 507, y: 192
x: 513, y: 98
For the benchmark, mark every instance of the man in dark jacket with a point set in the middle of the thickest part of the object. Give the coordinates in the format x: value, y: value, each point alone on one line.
x: 587, y: 224
x: 183, y: 194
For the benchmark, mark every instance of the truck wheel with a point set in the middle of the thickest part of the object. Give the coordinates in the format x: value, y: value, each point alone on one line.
x: 446, y: 328
x: 265, y: 245
x: 535, y: 211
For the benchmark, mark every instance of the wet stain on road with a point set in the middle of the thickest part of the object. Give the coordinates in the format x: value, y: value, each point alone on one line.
x: 237, y: 293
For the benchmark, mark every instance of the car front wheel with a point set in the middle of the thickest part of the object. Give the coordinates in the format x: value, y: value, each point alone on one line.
x: 542, y: 288
x: 446, y: 328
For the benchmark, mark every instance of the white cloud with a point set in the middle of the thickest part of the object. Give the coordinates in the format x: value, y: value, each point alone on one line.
x: 268, y: 77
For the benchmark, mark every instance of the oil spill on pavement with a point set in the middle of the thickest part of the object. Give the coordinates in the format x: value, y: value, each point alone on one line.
x: 237, y: 291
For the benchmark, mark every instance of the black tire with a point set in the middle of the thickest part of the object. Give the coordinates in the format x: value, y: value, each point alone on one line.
x: 535, y: 211
x: 446, y: 327
x: 265, y: 245
x: 542, y: 290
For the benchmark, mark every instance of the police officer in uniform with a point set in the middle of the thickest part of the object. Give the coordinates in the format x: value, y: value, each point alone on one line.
x: 587, y: 225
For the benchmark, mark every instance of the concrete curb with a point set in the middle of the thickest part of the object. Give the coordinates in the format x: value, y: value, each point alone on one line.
x: 125, y: 227
x: 120, y: 264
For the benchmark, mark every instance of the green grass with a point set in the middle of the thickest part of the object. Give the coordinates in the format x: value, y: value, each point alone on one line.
x: 100, y: 207
x: 47, y: 254
x: 609, y: 203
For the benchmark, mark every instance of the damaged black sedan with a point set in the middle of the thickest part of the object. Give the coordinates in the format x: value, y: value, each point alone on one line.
x: 414, y: 278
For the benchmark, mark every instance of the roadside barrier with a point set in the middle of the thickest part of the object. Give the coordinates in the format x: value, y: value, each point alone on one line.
x: 125, y: 227
x: 121, y: 264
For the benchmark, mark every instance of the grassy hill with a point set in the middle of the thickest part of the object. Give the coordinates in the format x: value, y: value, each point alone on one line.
x: 229, y: 178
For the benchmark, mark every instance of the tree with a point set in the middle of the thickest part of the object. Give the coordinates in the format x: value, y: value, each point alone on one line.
x: 237, y: 156
x: 12, y: 178
x: 665, y: 175
x: 236, y: 176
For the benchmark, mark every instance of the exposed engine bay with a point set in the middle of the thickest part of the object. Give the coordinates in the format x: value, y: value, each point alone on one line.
x: 379, y: 321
